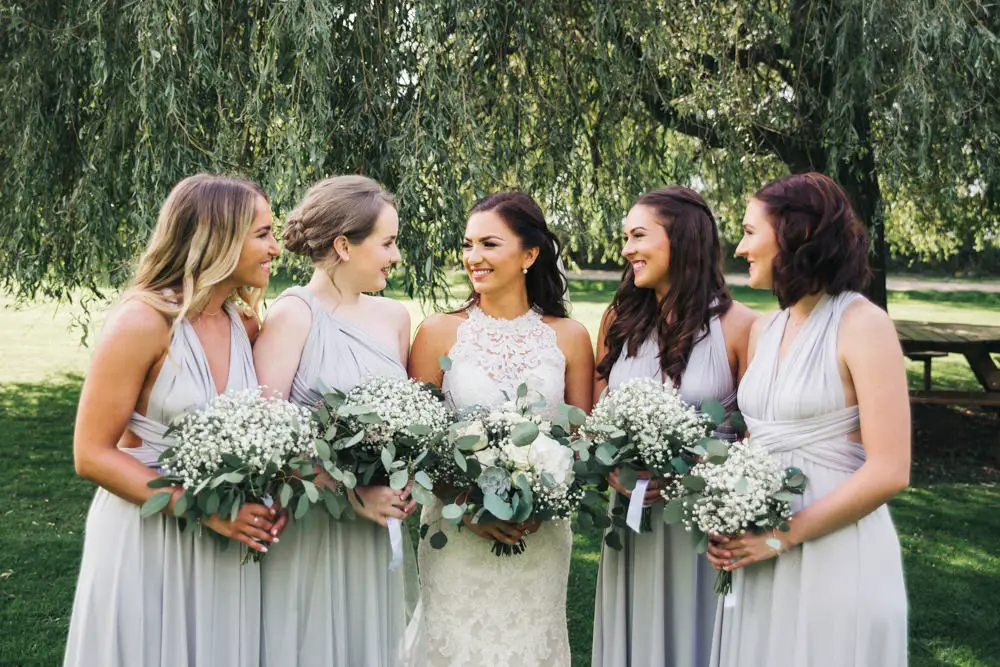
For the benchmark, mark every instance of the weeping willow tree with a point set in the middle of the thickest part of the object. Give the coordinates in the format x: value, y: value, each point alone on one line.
x: 585, y: 104
x: 593, y: 102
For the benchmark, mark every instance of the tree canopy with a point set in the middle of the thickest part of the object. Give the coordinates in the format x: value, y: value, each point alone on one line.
x: 584, y: 104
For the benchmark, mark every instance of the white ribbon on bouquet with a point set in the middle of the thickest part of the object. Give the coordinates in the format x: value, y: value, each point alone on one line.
x: 634, y: 517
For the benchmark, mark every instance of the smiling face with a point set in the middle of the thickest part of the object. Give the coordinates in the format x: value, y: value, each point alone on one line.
x: 647, y: 248
x: 759, y: 245
x: 254, y: 266
x: 492, y: 254
x: 371, y: 260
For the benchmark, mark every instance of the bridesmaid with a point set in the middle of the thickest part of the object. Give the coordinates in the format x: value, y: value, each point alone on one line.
x: 672, y: 318
x: 328, y: 596
x: 825, y: 392
x: 148, y: 593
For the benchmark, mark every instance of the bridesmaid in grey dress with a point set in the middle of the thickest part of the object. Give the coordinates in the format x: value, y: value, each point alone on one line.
x: 655, y: 600
x: 328, y: 596
x: 149, y: 594
x: 825, y: 392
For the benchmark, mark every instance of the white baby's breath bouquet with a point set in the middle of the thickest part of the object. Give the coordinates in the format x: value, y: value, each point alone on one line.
x: 643, y: 429
x: 379, y: 432
x: 241, y: 447
x: 745, y: 490
x: 508, y: 463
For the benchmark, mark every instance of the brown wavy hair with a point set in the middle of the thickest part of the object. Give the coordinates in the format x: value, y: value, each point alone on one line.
x: 822, y: 246
x: 697, y: 288
x: 545, y: 282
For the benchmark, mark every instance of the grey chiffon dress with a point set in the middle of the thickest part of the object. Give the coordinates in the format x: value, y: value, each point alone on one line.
x: 328, y: 597
x: 655, y: 603
x: 839, y: 600
x: 149, y: 594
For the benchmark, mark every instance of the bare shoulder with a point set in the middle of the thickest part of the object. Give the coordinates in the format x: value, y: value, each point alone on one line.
x: 390, y: 308
x: 863, y: 321
x: 288, y: 314
x: 135, y: 319
x: 570, y: 333
x: 441, y: 323
x: 739, y: 319
x: 136, y: 331
x: 761, y: 322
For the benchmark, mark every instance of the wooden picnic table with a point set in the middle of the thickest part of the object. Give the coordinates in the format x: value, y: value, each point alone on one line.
x: 923, y: 341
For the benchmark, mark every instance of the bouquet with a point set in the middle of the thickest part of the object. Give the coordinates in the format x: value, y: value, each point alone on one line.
x: 643, y: 429
x: 239, y: 448
x: 507, y: 463
x: 378, y: 434
x: 746, y: 491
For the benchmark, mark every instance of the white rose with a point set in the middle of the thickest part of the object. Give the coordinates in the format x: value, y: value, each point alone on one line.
x: 487, y: 457
x: 473, y: 428
x: 518, y: 455
x: 548, y: 455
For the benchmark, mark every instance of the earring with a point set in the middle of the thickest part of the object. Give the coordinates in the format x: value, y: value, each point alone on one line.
x: 524, y: 271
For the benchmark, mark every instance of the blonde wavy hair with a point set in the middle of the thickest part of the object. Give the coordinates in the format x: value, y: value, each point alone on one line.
x: 196, y: 245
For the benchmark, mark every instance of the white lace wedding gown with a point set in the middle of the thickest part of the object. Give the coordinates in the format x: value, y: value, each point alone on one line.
x: 478, y: 608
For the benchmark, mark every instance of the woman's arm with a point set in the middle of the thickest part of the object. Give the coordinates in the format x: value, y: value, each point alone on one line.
x: 872, y: 360
x: 278, y: 350
x: 600, y: 384
x: 736, y: 326
x: 574, y: 341
x: 133, y: 344
x: 434, y: 339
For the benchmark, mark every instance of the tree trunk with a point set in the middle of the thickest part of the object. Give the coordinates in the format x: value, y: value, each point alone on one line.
x: 860, y: 182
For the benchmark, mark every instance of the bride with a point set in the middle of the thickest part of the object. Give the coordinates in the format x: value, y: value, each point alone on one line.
x: 478, y: 608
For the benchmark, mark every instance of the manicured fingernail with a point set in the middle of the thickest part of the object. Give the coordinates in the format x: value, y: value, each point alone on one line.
x: 275, y: 540
x: 263, y: 549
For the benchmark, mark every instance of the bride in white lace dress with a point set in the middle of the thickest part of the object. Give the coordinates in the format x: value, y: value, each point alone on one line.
x: 478, y: 608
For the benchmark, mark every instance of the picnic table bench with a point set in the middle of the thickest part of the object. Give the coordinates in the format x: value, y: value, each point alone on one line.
x: 925, y: 341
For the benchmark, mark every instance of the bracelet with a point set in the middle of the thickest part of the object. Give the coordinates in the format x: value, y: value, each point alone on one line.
x: 780, y: 549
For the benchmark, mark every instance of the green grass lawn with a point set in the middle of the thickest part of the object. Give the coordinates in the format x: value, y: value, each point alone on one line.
x: 947, y: 522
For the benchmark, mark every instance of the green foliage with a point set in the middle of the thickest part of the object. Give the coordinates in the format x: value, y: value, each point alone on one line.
x: 585, y: 105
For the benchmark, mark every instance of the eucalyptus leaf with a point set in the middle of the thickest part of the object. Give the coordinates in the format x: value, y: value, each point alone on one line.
x: 422, y: 495
x: 445, y: 363
x: 460, y: 460
x: 301, y: 507
x: 524, y: 433
x: 714, y: 411
x: 285, y: 494
x: 322, y: 448
x: 716, y: 448
x: 605, y: 454
x: 701, y: 541
x: 613, y: 540
x: 577, y: 417
x: 399, y: 479
x: 424, y: 480
x: 212, y: 503
x: 181, y: 504
x: 497, y: 507
x: 312, y: 493
x: 438, y: 540
x: 693, y: 483
x: 155, y: 503
x: 452, y: 512
x: 673, y: 511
